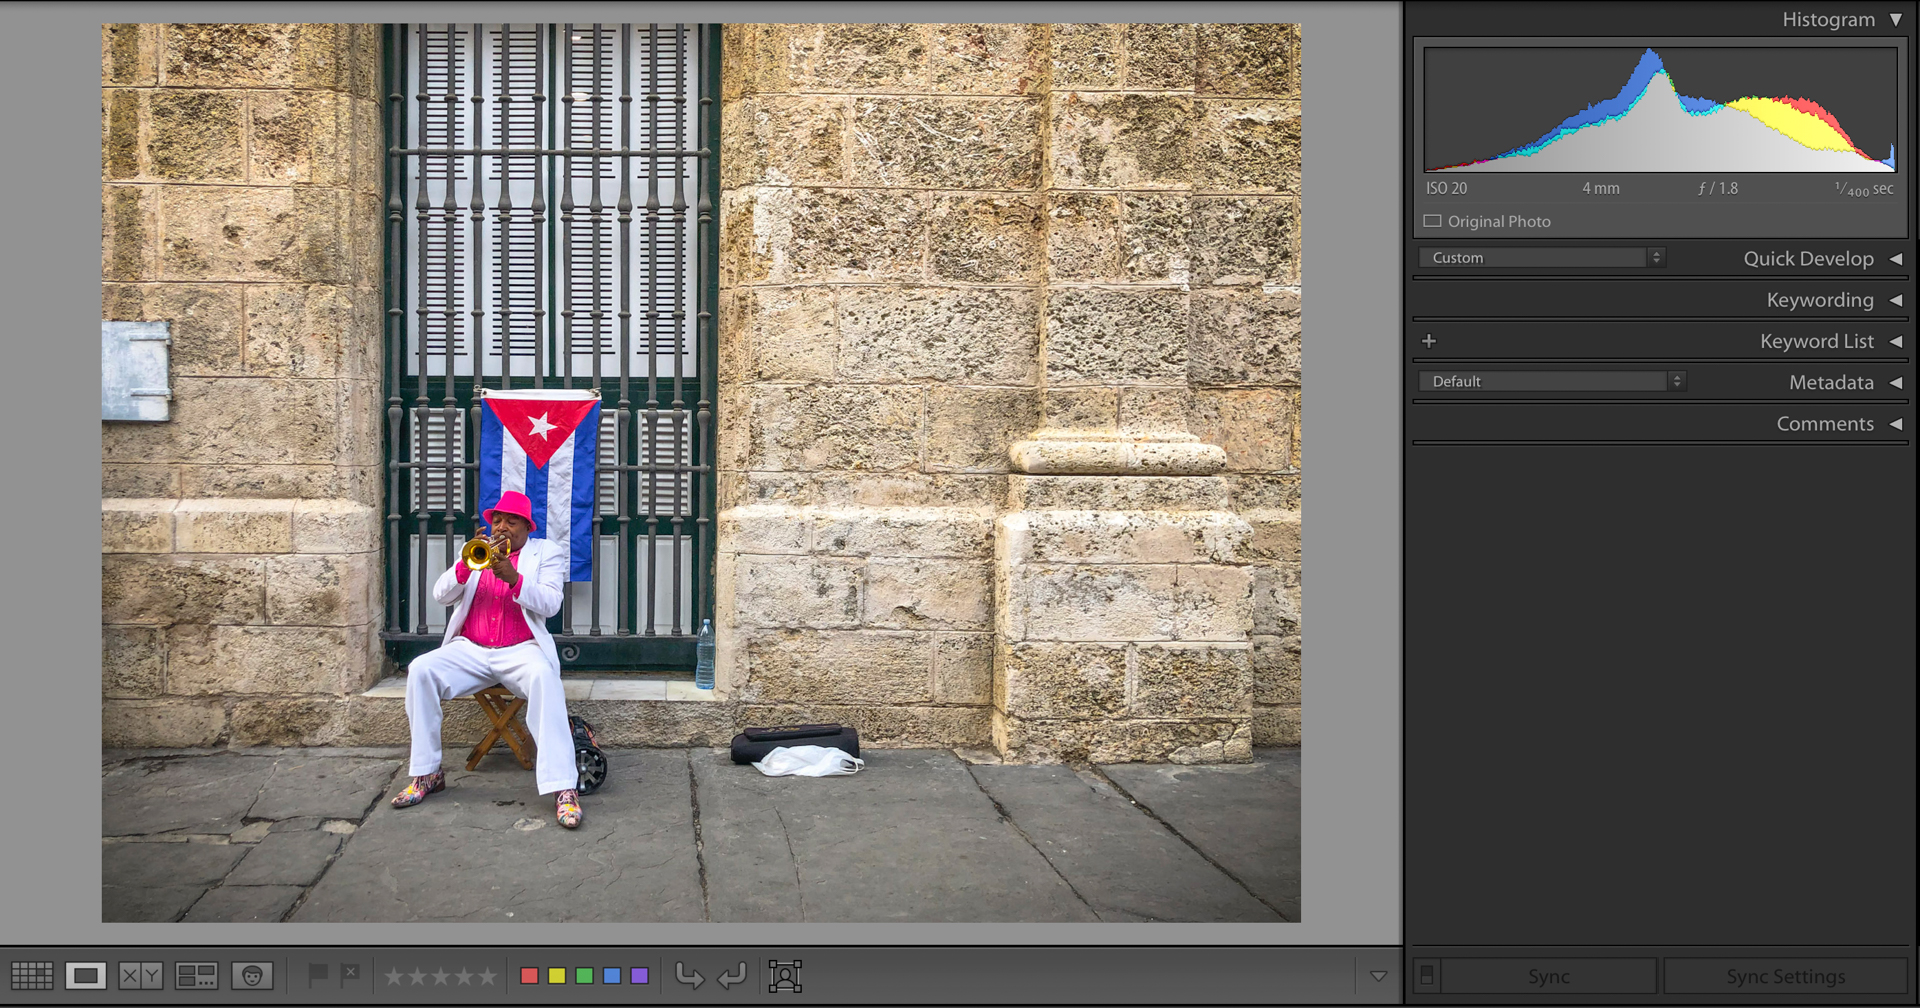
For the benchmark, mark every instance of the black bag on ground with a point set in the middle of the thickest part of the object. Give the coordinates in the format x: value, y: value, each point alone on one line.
x: 587, y: 755
x: 753, y: 745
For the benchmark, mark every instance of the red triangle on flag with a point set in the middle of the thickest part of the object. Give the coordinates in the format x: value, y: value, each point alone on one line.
x: 539, y: 425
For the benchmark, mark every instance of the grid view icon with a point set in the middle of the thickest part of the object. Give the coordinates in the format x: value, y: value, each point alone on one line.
x: 32, y: 976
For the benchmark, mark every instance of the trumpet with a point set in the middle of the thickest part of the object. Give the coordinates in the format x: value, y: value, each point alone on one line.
x: 477, y: 554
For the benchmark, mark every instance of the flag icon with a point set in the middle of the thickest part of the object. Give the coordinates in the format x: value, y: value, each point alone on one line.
x: 542, y: 442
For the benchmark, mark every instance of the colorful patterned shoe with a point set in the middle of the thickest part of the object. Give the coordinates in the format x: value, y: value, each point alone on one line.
x: 418, y: 790
x: 566, y: 808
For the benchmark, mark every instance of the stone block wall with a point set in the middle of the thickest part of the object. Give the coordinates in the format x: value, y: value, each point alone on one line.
x: 241, y: 202
x: 959, y: 261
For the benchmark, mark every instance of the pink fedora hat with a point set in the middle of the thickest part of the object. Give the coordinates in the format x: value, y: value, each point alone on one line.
x: 514, y: 503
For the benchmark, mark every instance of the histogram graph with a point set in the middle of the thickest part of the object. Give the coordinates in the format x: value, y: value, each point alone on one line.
x: 1670, y: 109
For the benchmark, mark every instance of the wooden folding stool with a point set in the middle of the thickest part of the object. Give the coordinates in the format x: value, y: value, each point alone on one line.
x: 503, y: 709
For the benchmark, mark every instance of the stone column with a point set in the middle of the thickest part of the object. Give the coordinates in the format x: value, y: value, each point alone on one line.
x: 241, y: 578
x: 1125, y: 583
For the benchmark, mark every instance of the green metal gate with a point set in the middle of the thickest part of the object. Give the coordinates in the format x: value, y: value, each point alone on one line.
x: 550, y: 224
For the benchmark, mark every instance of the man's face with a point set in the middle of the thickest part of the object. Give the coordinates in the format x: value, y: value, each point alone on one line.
x: 515, y: 527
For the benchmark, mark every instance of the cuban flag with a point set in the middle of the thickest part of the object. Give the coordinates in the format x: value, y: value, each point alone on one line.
x: 541, y: 442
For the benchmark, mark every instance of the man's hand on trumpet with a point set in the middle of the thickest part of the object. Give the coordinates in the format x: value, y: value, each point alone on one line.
x: 499, y: 559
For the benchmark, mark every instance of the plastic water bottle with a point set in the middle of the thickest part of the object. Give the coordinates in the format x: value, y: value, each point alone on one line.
x: 703, y: 650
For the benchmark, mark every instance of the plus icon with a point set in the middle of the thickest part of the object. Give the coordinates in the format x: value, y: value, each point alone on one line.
x: 1429, y: 341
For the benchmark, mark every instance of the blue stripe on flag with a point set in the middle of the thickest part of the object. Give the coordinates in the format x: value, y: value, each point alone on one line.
x: 586, y: 444
x: 490, y: 434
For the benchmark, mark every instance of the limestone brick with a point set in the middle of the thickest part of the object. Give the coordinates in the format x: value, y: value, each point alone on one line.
x: 765, y: 528
x: 972, y: 336
x: 227, y: 525
x: 859, y: 427
x: 254, y: 55
x: 1003, y: 59
x: 883, y: 726
x: 300, y: 138
x: 1245, y: 338
x: 169, y: 723
x: 1129, y: 537
x: 945, y: 142
x: 1159, y: 57
x: 1213, y: 603
x: 1276, y: 535
x: 136, y: 525
x: 132, y: 479
x: 218, y: 421
x: 1238, y: 241
x: 1249, y: 59
x: 963, y: 668
x: 1023, y: 740
x: 1086, y: 56
x: 1246, y: 146
x: 132, y: 662
x: 335, y: 526
x: 1117, y: 458
x: 1081, y: 408
x: 128, y: 54
x: 164, y: 590
x: 844, y: 58
x: 359, y: 484
x: 321, y: 590
x: 1077, y: 602
x: 197, y: 135
x: 784, y: 591
x: 1048, y: 679
x: 1192, y: 680
x: 787, y: 333
x: 784, y: 140
x: 985, y: 237
x: 129, y: 231
x: 1276, y: 669
x: 838, y: 666
x: 821, y: 235
x: 374, y: 721
x: 1116, y: 493
x: 206, y: 322
x: 617, y: 723
x: 954, y: 532
x: 891, y: 489
x: 1275, y: 598
x: 970, y: 429
x: 120, y: 147
x: 288, y: 721
x: 1124, y: 140
x: 1095, y: 237
x: 1276, y: 725
x: 1253, y: 426
x: 265, y: 660
x: 1150, y: 412
x: 1104, y: 337
x: 255, y: 234
x: 926, y: 594
x: 1275, y: 491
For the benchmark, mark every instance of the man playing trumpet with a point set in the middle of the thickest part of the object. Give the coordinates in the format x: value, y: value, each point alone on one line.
x: 498, y: 635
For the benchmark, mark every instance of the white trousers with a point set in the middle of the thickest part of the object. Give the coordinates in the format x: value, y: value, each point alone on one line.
x: 460, y: 667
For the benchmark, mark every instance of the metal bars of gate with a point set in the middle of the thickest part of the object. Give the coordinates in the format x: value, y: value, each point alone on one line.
x: 560, y: 294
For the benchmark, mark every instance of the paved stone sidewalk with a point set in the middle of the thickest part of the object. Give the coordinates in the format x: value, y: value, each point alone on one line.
x: 685, y: 835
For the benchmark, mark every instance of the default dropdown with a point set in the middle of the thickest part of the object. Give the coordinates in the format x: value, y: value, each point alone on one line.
x: 1548, y: 381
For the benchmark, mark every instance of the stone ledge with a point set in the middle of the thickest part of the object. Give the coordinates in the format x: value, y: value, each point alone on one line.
x: 586, y: 688
x: 237, y: 525
x: 1117, y: 458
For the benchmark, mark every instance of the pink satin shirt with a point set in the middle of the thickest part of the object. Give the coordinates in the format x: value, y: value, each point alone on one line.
x: 495, y: 620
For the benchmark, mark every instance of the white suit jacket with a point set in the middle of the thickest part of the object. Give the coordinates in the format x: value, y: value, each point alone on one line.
x: 543, y: 576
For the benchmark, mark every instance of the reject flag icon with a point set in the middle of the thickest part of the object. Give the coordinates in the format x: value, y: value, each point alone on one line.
x: 542, y: 443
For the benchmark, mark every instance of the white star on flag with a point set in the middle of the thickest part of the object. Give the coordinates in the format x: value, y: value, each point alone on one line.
x: 541, y: 426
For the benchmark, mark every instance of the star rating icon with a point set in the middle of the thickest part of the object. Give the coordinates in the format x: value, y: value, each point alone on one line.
x: 393, y: 975
x: 487, y: 977
x: 440, y: 978
x: 541, y: 426
x: 419, y: 976
x: 465, y: 977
